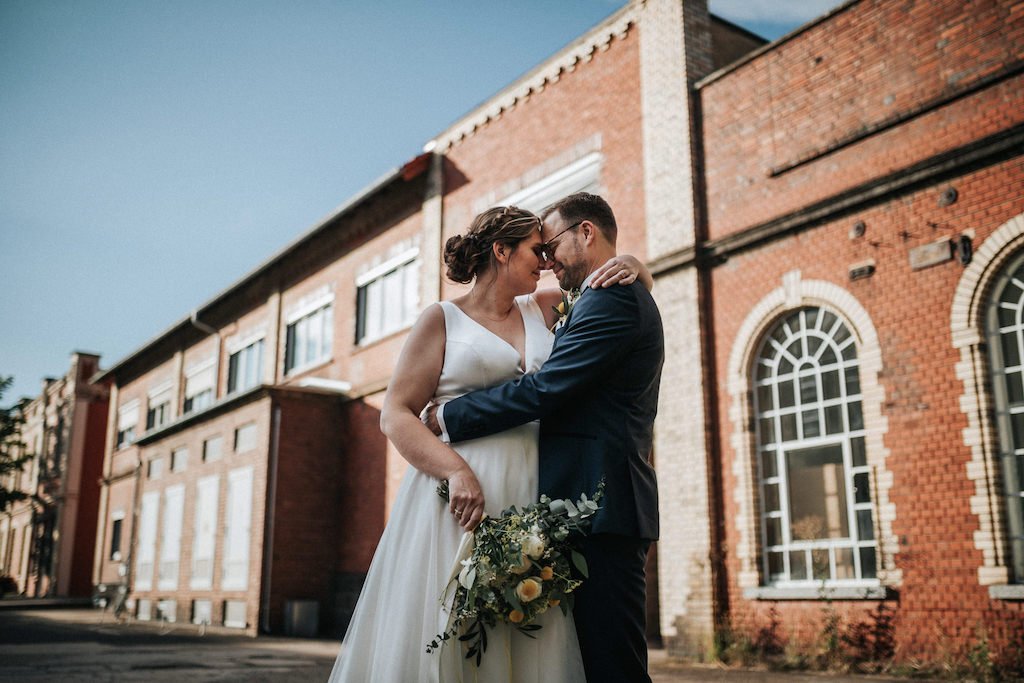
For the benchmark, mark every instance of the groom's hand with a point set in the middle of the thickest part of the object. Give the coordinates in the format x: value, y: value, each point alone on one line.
x: 465, y: 498
x: 430, y: 419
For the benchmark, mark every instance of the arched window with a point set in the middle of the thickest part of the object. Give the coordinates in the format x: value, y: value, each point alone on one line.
x: 817, y: 518
x: 1005, y: 331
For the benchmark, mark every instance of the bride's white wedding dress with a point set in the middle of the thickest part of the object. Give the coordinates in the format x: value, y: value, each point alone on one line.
x: 399, y: 610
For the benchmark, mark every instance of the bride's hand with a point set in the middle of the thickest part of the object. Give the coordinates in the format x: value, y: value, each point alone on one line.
x: 465, y: 498
x: 618, y: 270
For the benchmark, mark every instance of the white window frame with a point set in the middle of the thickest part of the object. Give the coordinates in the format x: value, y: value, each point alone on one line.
x: 245, y: 364
x: 374, y: 303
x: 170, y: 540
x: 145, y: 563
x: 200, y: 386
x: 237, y: 530
x: 204, y: 538
x: 779, y: 401
x: 127, y: 423
x: 158, y: 403
x: 582, y: 175
x: 298, y: 356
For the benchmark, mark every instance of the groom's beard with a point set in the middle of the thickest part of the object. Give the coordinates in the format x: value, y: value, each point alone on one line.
x: 573, y: 274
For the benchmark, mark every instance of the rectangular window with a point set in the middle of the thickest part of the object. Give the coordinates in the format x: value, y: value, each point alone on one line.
x: 234, y: 613
x: 127, y: 422
x: 167, y: 610
x: 179, y: 459
x: 202, y: 611
x: 387, y: 299
x: 212, y: 449
x: 155, y: 468
x: 170, y: 540
x: 158, y: 415
x: 245, y: 438
x: 245, y: 367
x: 204, y: 539
x: 309, y: 338
x: 199, y: 387
x: 237, y: 530
x: 115, y: 536
x: 147, y: 541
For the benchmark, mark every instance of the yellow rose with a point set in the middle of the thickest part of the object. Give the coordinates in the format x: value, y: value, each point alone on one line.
x: 546, y: 573
x: 515, y: 616
x: 553, y: 602
x: 522, y: 567
x: 528, y: 590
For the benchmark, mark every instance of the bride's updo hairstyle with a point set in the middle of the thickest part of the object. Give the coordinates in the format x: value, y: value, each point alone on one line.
x: 469, y: 255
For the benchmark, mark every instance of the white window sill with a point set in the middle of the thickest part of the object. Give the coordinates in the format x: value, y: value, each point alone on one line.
x: 816, y: 593
x: 1007, y: 592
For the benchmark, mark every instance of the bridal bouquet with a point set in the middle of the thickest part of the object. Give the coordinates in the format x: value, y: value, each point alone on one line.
x: 519, y: 567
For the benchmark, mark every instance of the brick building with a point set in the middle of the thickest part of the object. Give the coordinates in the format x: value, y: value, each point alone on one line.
x: 47, y: 540
x: 857, y: 255
x: 835, y: 224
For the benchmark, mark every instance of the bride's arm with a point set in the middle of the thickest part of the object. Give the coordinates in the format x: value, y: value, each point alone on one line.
x: 624, y: 269
x: 412, y: 385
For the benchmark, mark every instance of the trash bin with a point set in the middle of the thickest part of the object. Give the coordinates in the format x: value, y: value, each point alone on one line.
x: 301, y: 618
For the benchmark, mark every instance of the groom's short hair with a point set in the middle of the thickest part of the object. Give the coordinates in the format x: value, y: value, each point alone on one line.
x: 584, y: 206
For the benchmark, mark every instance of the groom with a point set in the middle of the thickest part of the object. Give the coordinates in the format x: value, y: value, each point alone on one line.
x: 596, y: 397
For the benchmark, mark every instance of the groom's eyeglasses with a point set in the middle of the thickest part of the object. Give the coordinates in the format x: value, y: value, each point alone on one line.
x: 548, y: 248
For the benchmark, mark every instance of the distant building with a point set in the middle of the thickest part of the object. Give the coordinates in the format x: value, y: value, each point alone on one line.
x: 47, y: 540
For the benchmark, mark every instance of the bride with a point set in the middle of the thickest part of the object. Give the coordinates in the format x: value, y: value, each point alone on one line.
x: 499, y: 330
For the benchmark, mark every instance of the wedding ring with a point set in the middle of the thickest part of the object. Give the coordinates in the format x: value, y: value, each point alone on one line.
x: 458, y: 512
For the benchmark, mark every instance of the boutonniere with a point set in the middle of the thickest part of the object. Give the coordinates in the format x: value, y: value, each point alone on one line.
x: 564, y: 307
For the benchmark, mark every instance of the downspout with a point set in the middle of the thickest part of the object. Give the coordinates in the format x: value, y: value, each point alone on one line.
x: 129, y: 575
x: 268, y: 521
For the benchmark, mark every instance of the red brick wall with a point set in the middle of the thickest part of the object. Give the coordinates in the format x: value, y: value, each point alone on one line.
x: 362, y: 503
x: 89, y: 498
x: 942, y: 609
x: 307, y: 522
x: 598, y: 97
x: 871, y: 62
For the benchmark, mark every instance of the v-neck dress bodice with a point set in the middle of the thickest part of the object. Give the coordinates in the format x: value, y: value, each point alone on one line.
x: 399, y: 610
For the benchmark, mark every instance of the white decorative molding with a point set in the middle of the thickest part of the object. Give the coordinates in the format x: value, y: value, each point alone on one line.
x: 967, y: 320
x: 794, y: 293
x: 615, y: 27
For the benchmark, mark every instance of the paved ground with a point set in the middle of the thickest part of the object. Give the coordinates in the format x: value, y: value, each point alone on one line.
x: 84, y: 645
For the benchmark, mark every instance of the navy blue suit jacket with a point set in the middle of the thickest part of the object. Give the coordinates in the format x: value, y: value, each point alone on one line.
x: 596, y: 398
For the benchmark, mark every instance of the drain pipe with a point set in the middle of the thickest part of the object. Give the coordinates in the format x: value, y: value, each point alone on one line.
x: 268, y: 521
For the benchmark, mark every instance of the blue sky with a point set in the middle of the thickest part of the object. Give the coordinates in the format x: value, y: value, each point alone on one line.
x: 152, y: 152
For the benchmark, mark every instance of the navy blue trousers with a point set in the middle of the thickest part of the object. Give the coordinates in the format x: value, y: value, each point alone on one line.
x: 611, y: 611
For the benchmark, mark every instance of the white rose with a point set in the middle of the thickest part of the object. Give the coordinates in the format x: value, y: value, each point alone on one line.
x: 533, y: 546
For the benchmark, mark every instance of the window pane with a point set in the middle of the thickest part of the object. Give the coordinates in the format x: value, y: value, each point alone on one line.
x: 786, y: 396
x: 852, y: 381
x: 813, y: 344
x: 861, y: 488
x: 393, y: 297
x: 817, y: 493
x: 776, y: 567
x: 788, y: 427
x: 833, y: 419
x: 1014, y: 387
x: 798, y: 565
x: 764, y: 397
x: 856, y: 418
x: 771, y: 497
x: 828, y: 357
x: 1007, y: 314
x: 1017, y: 425
x: 867, y: 563
x: 808, y: 389
x: 809, y: 418
x: 766, y: 429
x: 830, y: 384
x: 1011, y: 350
x: 774, y: 529
x: 844, y: 564
x: 820, y: 564
x: 865, y: 525
x: 860, y: 458
x: 768, y: 464
x: 328, y: 334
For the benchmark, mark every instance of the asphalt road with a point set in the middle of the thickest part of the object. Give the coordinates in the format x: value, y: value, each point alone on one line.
x: 85, y: 645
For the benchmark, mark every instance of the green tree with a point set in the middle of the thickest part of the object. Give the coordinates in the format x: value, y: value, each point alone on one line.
x: 12, y: 451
